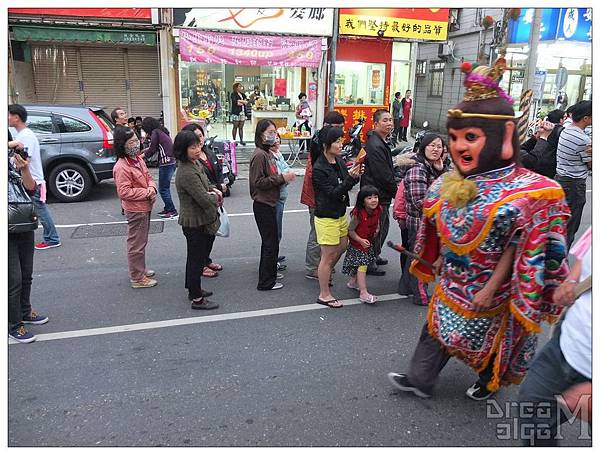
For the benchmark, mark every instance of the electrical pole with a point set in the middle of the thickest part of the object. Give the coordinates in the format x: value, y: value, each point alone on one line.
x: 334, y: 39
x: 534, y: 39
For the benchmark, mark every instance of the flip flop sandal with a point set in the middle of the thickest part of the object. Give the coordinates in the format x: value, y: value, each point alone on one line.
x: 329, y: 303
x: 369, y: 300
x: 207, y: 272
x: 215, y: 267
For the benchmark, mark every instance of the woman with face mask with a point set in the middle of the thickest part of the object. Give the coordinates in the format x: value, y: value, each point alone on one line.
x: 137, y: 192
x: 265, y: 184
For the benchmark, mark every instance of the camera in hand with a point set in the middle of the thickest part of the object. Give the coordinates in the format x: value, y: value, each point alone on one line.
x: 22, y: 153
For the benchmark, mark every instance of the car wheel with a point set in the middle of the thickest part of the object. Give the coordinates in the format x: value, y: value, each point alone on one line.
x: 70, y: 182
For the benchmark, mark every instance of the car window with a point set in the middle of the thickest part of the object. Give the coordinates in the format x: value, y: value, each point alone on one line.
x: 74, y: 126
x: 40, y: 123
x: 105, y: 119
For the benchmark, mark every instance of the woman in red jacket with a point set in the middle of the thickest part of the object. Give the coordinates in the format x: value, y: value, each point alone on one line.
x: 406, y: 108
x: 137, y: 192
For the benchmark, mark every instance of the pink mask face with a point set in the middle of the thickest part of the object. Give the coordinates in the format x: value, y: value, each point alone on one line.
x: 466, y: 145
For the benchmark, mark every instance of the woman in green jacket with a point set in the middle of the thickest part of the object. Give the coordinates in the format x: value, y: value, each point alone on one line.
x: 198, y: 214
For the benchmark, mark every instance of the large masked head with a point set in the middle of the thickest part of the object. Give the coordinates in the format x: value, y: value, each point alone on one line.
x: 482, y: 131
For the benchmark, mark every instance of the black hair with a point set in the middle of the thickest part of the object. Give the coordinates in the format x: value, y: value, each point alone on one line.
x: 582, y: 109
x: 130, y: 119
x: 397, y: 94
x: 365, y: 191
x: 334, y: 118
x: 556, y: 115
x: 378, y: 113
x: 261, y: 127
x: 324, y: 138
x: 17, y: 109
x: 301, y: 95
x: 569, y: 110
x: 182, y: 142
x: 121, y: 134
x: 193, y: 126
x: 113, y: 115
x: 139, y: 117
x: 150, y: 124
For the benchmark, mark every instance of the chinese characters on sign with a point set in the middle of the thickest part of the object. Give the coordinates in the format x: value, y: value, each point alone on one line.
x: 234, y: 49
x: 297, y: 21
x: 353, y: 114
x: 410, y: 23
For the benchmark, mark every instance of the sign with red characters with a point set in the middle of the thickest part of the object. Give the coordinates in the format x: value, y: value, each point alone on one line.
x: 427, y: 24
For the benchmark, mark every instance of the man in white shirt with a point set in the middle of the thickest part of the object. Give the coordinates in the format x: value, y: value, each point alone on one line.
x: 17, y: 116
x: 573, y: 162
x: 562, y: 370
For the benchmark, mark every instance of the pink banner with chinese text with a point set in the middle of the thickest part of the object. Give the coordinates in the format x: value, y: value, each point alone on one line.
x: 236, y: 49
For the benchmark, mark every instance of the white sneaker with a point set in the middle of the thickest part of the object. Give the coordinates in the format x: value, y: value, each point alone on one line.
x: 277, y: 286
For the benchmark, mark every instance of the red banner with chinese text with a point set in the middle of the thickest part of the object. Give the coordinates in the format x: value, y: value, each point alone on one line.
x: 120, y: 13
x: 352, y: 113
x: 427, y: 24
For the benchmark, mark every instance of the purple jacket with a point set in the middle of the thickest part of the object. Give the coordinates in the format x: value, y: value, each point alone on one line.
x: 161, y: 142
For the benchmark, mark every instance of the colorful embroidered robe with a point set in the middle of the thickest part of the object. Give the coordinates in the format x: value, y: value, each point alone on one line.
x: 513, y: 206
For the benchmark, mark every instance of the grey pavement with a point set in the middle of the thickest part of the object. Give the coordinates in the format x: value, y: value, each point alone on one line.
x: 306, y: 378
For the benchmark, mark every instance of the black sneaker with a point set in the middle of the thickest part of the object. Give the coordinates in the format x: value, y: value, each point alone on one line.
x: 204, y: 294
x: 281, y: 258
x: 400, y: 381
x: 204, y: 304
x: 381, y: 261
x: 375, y: 272
x: 281, y: 267
x: 478, y: 392
x: 34, y: 318
x: 21, y: 335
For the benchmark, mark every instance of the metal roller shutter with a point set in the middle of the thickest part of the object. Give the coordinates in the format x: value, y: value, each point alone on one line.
x: 55, y: 74
x: 103, y: 73
x: 144, y: 82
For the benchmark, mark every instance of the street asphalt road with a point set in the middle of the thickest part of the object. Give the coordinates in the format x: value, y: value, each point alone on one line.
x: 297, y: 374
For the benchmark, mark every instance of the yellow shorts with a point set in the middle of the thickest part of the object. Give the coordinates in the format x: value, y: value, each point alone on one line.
x: 330, y: 230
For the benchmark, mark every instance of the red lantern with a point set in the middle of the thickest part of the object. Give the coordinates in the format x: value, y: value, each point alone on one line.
x: 487, y: 22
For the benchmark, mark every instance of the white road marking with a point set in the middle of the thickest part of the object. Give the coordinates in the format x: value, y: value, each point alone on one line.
x: 231, y: 215
x: 195, y: 320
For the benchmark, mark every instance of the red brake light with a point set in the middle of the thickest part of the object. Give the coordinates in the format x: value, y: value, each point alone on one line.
x: 107, y: 139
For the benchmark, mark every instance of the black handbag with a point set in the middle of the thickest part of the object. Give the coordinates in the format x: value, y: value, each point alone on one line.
x: 21, y: 211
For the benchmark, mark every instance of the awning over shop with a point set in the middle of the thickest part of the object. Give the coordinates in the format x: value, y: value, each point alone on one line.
x: 83, y: 35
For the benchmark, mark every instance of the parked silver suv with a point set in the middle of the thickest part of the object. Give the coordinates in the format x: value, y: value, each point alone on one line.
x: 75, y: 145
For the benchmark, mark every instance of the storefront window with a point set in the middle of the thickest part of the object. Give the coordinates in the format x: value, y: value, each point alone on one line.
x: 359, y: 83
x: 208, y: 86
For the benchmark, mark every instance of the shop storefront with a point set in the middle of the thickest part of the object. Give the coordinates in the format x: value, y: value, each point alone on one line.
x: 94, y: 65
x: 564, y: 64
x: 376, y: 55
x: 279, y: 67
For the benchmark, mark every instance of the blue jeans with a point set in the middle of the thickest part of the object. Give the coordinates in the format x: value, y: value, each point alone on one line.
x: 548, y: 376
x: 50, y: 233
x: 165, y: 173
x: 279, y: 212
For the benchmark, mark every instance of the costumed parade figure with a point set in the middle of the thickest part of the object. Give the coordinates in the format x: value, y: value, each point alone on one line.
x: 494, y: 233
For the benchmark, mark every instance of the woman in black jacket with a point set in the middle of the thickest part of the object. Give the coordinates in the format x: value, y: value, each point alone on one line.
x: 214, y: 172
x: 331, y: 182
x: 239, y: 106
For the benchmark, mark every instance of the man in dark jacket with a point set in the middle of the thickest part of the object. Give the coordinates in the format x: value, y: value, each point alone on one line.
x: 539, y: 152
x: 379, y: 172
